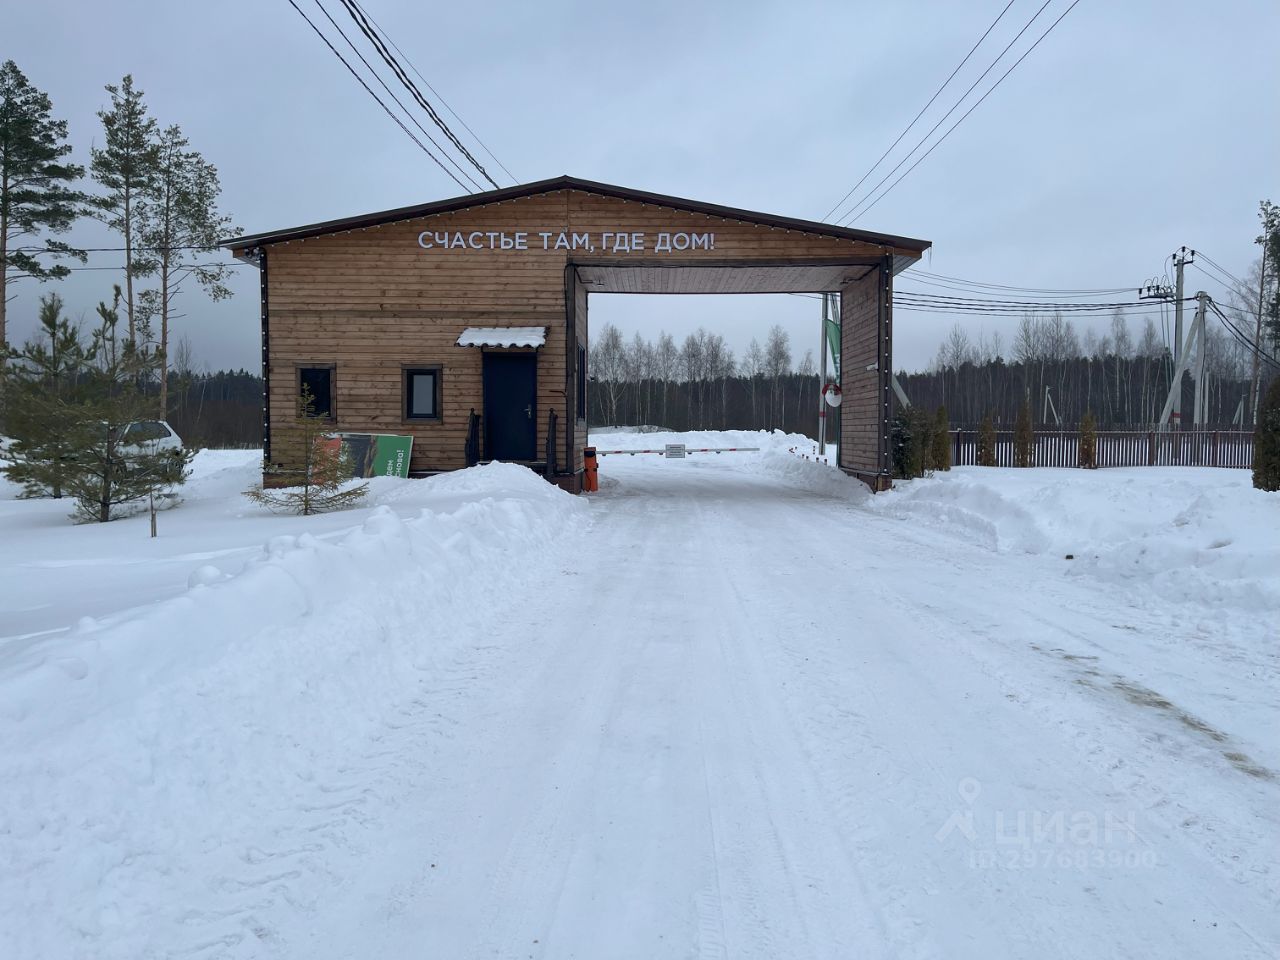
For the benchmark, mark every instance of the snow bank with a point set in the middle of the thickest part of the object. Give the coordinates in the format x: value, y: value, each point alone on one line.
x: 146, y: 736
x: 298, y: 584
x: 1186, y: 532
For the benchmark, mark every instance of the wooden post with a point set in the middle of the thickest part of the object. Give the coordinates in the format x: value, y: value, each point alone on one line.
x: 1151, y: 449
x: 1215, y: 448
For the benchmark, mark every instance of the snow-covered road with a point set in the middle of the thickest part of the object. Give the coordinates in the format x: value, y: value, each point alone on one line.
x: 739, y: 717
x: 776, y: 726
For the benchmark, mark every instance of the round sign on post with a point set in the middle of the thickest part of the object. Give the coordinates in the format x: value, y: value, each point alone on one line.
x: 831, y: 393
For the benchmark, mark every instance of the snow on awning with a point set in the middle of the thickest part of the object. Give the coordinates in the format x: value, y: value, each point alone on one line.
x: 503, y: 337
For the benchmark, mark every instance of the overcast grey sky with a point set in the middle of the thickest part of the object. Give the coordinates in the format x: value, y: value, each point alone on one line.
x: 1134, y: 128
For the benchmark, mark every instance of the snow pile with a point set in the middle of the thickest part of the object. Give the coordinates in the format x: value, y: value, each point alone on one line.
x: 64, y: 572
x: 813, y: 475
x: 1188, y: 532
x: 136, y: 742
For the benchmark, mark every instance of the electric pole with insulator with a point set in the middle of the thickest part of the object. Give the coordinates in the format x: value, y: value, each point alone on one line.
x: 1155, y: 290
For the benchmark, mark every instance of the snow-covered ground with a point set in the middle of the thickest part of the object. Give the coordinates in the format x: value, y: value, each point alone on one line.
x: 730, y: 706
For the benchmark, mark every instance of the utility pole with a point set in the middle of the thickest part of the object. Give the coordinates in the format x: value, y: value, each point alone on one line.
x: 1159, y: 289
x: 1180, y: 259
x: 1184, y: 355
x: 1256, y: 383
x: 1047, y: 407
x: 1200, y: 412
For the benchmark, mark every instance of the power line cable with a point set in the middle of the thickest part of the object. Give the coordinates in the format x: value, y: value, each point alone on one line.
x: 1243, y: 338
x: 849, y: 214
x: 851, y: 217
x: 219, y: 263
x: 443, y: 102
x: 937, y: 93
x: 369, y: 90
x: 358, y: 16
x: 412, y: 119
x: 1215, y: 271
x: 948, y: 285
x: 1036, y: 304
x: 1225, y: 272
x: 986, y: 312
x: 1015, y: 289
x: 136, y: 249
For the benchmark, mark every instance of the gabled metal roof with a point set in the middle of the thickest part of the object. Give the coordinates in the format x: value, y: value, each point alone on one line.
x: 571, y: 183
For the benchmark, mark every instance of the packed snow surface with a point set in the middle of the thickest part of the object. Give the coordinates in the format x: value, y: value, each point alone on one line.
x: 730, y: 706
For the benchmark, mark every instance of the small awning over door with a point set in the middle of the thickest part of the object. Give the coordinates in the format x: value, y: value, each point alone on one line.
x: 503, y: 337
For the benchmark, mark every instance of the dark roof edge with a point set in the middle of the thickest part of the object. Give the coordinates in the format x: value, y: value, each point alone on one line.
x: 570, y: 183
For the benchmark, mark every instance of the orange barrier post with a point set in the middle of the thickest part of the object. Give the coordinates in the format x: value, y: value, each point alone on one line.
x: 590, y: 479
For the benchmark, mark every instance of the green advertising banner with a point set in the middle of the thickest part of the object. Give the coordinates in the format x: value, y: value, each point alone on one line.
x: 377, y: 454
x: 833, y: 338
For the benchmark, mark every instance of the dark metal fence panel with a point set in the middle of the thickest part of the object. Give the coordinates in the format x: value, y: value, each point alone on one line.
x: 1118, y: 448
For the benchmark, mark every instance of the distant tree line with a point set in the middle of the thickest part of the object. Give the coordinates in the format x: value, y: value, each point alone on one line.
x: 216, y: 410
x: 700, y: 385
x: 1122, y: 379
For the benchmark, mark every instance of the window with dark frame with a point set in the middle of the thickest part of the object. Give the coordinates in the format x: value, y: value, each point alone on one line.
x: 422, y: 393
x: 582, y: 382
x: 318, y: 381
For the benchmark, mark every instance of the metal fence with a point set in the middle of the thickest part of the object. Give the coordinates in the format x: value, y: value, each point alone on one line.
x: 1118, y: 448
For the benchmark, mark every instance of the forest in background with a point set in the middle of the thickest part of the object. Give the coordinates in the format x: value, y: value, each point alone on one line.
x: 1122, y: 378
x: 701, y: 385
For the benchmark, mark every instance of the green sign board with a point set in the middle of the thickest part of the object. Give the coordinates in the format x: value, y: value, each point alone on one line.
x: 833, y: 338
x: 377, y: 454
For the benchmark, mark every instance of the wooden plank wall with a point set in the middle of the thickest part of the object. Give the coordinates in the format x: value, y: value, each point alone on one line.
x: 372, y: 300
x: 580, y: 300
x: 862, y: 411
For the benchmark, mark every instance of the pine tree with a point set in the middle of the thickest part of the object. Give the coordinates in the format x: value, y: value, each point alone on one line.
x: 901, y: 444
x: 1269, y: 240
x: 35, y: 185
x: 987, y: 442
x: 941, y: 440
x: 1024, y: 439
x: 1266, y: 441
x: 312, y: 470
x: 127, y: 166
x: 920, y: 433
x: 41, y: 417
x: 178, y: 227
x: 1087, y: 449
x: 106, y: 472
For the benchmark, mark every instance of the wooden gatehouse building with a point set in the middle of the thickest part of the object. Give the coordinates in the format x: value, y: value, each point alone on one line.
x: 463, y: 323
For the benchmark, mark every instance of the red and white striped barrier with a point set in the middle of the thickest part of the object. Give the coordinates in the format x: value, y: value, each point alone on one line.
x: 663, y: 452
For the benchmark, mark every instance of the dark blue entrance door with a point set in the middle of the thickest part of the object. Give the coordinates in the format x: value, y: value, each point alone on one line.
x: 510, y: 406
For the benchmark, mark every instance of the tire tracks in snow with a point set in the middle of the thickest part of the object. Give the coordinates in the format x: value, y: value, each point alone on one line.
x: 1021, y: 717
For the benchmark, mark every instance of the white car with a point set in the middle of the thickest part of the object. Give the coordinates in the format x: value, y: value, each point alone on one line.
x: 153, y: 436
